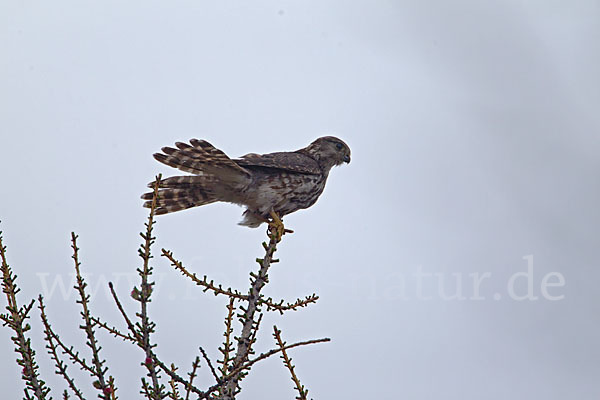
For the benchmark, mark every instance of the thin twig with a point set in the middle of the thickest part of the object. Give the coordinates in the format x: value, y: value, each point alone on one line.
x: 61, y: 367
x: 88, y: 326
x: 73, y: 355
x: 176, y: 377
x: 271, y: 305
x: 227, y: 349
x: 174, y: 393
x: 281, y: 307
x: 287, y: 361
x: 111, y: 390
x: 269, y: 353
x: 15, y: 319
x: 152, y: 359
x: 212, y: 369
x: 208, y: 393
x: 146, y: 327
x: 204, y: 282
x: 192, y: 375
x: 113, y: 330
x: 261, y: 357
x: 123, y: 313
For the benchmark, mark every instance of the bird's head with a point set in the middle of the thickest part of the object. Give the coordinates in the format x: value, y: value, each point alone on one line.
x: 329, y: 151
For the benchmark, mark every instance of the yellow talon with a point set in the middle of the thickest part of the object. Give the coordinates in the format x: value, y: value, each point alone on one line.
x: 276, y: 226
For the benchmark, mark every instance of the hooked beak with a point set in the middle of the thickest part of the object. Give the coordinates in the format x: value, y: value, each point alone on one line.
x: 347, y: 159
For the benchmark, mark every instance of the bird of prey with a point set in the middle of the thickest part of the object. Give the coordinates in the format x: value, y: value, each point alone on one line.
x: 268, y: 185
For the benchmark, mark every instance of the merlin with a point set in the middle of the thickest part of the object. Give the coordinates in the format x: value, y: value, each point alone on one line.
x: 268, y: 185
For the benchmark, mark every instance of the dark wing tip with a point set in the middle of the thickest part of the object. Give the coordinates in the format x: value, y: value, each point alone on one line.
x: 182, y: 146
x: 203, y: 144
x: 157, y: 210
x: 151, y: 185
x: 168, y: 150
x: 160, y: 156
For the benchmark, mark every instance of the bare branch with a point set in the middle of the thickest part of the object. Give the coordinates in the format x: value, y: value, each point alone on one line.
x: 287, y: 361
x: 88, y: 326
x: 192, y: 375
x: 69, y: 351
x: 261, y: 357
x: 123, y: 313
x: 212, y: 369
x: 61, y: 367
x: 281, y: 307
x: 174, y: 393
x: 146, y: 326
x: 173, y: 375
x: 271, y: 305
x: 227, y: 349
x: 15, y: 320
x: 204, y: 282
x: 257, y: 282
x: 112, y: 330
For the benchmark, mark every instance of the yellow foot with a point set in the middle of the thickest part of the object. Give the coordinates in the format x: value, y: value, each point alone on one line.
x: 276, y: 226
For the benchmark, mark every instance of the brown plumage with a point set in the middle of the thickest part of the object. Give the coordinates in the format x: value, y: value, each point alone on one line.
x: 282, y: 182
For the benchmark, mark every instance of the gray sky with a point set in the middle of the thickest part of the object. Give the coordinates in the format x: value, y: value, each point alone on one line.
x: 474, y: 131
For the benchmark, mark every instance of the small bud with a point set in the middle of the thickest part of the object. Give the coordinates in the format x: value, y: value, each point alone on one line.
x: 97, y: 384
x: 148, y: 361
x: 107, y: 390
x: 135, y: 294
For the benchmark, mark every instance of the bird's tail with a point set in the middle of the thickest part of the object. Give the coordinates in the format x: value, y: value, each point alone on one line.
x: 215, y: 177
x: 182, y: 192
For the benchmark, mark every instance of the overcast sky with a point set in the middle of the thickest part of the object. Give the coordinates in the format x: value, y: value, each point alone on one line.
x: 456, y: 257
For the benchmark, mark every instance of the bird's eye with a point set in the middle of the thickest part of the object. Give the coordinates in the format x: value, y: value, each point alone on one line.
x: 339, y: 146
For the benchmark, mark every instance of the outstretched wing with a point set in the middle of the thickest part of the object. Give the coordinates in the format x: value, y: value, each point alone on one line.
x: 288, y: 161
x: 202, y: 158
